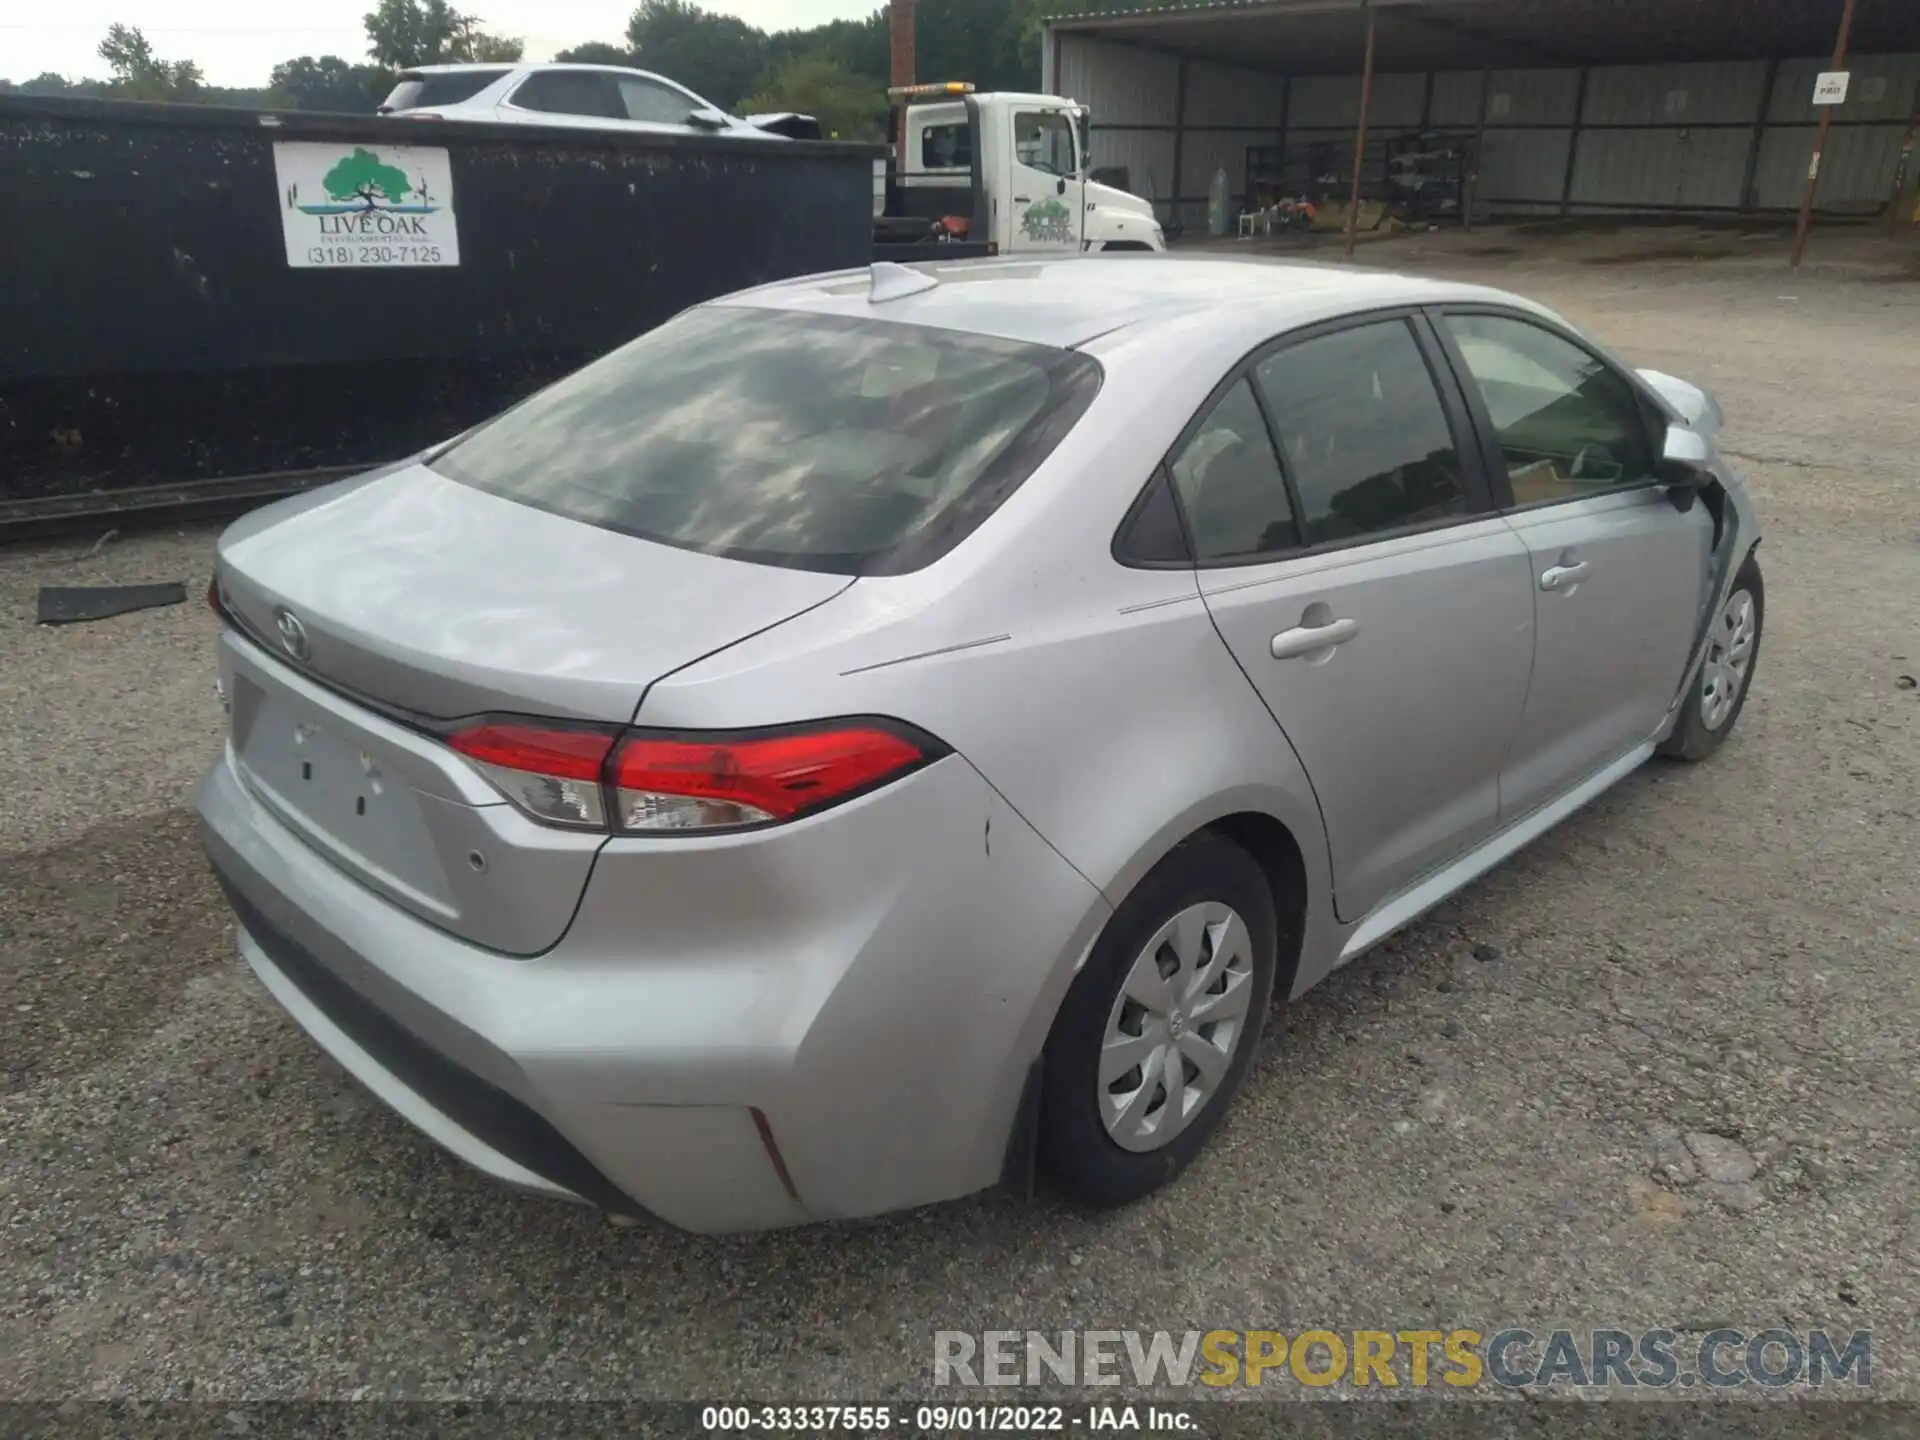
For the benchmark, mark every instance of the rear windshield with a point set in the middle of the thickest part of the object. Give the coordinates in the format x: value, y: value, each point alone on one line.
x: 815, y: 442
x: 416, y: 92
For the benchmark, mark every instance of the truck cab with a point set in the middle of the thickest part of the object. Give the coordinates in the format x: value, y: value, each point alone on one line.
x: 1004, y: 173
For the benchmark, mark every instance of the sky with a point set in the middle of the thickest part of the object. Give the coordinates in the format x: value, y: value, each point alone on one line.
x: 238, y: 41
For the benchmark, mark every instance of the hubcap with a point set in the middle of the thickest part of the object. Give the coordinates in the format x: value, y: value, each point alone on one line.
x: 1729, y: 657
x: 1175, y: 1026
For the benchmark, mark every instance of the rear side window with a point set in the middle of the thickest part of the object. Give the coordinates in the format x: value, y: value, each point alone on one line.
x: 570, y: 92
x: 816, y: 442
x: 418, y: 92
x: 1362, y: 431
x: 1230, y: 484
x: 946, y: 147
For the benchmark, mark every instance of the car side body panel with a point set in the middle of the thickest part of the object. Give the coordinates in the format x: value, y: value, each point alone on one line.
x: 1070, y: 631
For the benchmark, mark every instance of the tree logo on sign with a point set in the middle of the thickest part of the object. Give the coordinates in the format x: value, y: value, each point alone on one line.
x: 363, y: 183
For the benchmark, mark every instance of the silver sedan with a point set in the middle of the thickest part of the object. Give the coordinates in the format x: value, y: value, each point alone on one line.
x: 894, y: 732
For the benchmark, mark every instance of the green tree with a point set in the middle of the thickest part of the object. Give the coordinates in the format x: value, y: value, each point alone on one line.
x: 431, y: 32
x: 859, y: 46
x: 139, y: 74
x: 411, y: 32
x: 329, y: 83
x: 48, y: 83
x: 472, y: 43
x: 716, y: 56
x: 365, y: 177
x: 848, y: 106
x: 596, y: 52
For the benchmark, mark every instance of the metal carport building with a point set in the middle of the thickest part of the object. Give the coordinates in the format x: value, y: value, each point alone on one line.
x: 1570, y: 107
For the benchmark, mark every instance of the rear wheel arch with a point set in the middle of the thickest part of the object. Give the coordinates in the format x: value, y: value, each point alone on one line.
x: 1275, y: 850
x: 1280, y: 858
x: 1272, y: 845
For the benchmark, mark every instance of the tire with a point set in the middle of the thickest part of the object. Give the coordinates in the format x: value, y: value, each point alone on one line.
x: 1707, y: 717
x: 1191, y: 899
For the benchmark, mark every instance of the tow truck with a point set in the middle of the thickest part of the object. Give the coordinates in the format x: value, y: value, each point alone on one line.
x: 1000, y: 173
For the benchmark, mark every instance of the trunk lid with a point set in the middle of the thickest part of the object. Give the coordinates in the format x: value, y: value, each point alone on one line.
x: 369, y: 607
x: 440, y: 599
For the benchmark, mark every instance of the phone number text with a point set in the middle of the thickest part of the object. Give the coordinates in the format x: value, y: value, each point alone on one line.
x: 374, y: 255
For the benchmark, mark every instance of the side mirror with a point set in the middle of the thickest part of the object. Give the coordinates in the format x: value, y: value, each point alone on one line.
x: 708, y: 120
x: 1686, y: 465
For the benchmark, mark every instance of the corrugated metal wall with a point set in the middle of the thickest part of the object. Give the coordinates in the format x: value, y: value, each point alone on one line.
x: 1722, y: 136
x: 1124, y: 86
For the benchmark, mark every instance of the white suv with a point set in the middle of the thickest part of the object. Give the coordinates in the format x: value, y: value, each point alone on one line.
x: 595, y: 97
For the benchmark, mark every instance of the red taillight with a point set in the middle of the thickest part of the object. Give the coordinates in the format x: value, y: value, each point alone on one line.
x: 552, y: 774
x: 566, y: 754
x: 589, y: 779
x: 700, y: 784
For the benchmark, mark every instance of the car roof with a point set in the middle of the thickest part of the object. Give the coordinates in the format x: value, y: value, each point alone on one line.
x: 503, y: 66
x: 1072, y: 300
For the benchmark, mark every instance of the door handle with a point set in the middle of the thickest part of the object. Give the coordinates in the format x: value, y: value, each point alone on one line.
x: 1020, y: 200
x: 1562, y: 577
x: 1313, y: 639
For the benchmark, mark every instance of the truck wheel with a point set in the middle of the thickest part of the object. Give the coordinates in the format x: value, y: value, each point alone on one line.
x: 1159, y: 1028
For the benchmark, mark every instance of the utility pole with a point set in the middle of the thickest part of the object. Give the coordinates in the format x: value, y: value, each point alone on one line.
x: 1820, y: 139
x: 1360, y: 137
x: 900, y: 34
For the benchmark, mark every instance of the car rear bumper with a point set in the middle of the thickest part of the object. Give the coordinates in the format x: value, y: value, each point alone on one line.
x: 832, y: 1019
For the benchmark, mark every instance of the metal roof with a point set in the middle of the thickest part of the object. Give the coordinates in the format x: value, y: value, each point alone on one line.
x: 1306, y: 37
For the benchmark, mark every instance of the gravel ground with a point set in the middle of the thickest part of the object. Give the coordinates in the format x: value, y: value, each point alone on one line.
x: 1655, y: 1071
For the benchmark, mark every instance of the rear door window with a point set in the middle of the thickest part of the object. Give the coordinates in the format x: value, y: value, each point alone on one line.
x: 813, y: 441
x: 570, y: 92
x: 417, y: 91
x: 1362, y: 431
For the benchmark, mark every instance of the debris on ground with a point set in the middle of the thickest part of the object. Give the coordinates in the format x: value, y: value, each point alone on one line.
x: 74, y: 604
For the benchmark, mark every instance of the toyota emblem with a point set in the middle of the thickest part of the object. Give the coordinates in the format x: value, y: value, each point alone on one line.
x: 293, y: 635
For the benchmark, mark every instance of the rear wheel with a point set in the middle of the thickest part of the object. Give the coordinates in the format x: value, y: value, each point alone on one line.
x: 1718, y: 691
x: 1160, y: 1026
